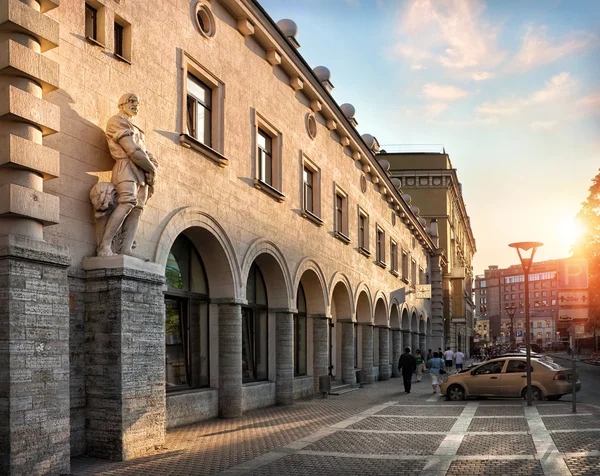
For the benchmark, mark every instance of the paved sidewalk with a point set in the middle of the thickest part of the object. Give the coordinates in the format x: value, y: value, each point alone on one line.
x: 379, y: 430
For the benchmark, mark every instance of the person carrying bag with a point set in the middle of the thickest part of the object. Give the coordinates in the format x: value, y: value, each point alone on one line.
x: 436, y: 368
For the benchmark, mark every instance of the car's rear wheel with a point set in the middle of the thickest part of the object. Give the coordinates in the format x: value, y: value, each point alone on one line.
x: 456, y: 393
x: 536, y: 393
x: 553, y: 398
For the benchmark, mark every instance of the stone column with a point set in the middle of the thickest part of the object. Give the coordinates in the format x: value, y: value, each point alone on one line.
x: 414, y: 338
x: 396, y: 351
x: 384, y: 353
x: 423, y: 344
x: 437, y: 301
x: 125, y: 361
x: 348, y: 371
x: 320, y: 348
x: 284, y: 363
x: 34, y: 294
x: 406, y: 342
x: 367, y: 351
x: 230, y: 360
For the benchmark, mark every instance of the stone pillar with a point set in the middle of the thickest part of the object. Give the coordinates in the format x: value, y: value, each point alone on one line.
x: 423, y: 344
x: 367, y: 351
x: 230, y: 360
x: 384, y: 353
x: 414, y: 339
x: 34, y: 294
x: 406, y: 342
x: 320, y: 348
x: 125, y: 361
x: 34, y: 357
x: 284, y: 363
x: 437, y: 301
x: 396, y: 351
x: 348, y: 371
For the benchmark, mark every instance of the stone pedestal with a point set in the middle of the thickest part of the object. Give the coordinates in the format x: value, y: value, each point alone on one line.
x: 284, y: 366
x: 320, y: 348
x: 348, y: 370
x: 384, y: 353
x: 125, y: 361
x: 34, y: 358
x: 396, y: 351
x: 367, y: 351
x: 230, y: 360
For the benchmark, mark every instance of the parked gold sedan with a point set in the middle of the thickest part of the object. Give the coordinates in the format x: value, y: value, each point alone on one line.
x: 507, y: 377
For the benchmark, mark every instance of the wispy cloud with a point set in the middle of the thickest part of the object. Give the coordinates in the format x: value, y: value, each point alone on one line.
x: 558, y: 87
x: 501, y: 107
x: 483, y: 76
x: 538, y: 49
x: 543, y: 125
x: 443, y: 92
x: 453, y: 33
x: 435, y: 109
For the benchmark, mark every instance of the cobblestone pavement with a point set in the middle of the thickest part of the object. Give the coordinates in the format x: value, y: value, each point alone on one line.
x: 379, y: 430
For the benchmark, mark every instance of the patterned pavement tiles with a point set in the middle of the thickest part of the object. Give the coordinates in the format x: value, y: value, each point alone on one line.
x: 584, y: 466
x: 493, y: 445
x: 497, y: 467
x: 500, y: 411
x: 495, y: 424
x: 575, y: 442
x: 422, y: 410
x: 410, y: 424
x: 571, y: 422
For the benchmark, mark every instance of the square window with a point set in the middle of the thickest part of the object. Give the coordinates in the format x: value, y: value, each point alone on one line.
x: 265, y: 157
x: 311, y: 191
x: 340, y: 214
x: 122, y: 40
x: 94, y: 23
x: 202, y: 111
x: 118, y: 44
x: 380, y: 246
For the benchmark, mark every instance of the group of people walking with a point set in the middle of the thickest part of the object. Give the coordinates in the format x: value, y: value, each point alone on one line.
x: 438, y: 363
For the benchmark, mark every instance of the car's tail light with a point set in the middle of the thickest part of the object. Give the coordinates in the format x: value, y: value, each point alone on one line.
x: 560, y: 376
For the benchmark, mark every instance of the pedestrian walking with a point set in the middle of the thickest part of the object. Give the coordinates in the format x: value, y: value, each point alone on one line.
x: 429, y: 355
x: 407, y: 365
x: 448, y: 356
x: 459, y: 358
x: 420, y: 361
x: 436, y: 367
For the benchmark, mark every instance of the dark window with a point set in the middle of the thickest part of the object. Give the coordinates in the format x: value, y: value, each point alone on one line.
x: 255, y: 328
x: 199, y: 106
x: 404, y: 266
x: 118, y: 39
x: 265, y: 157
x: 394, y: 256
x: 300, y: 334
x: 362, y: 231
x: 308, y: 190
x: 491, y: 368
x: 380, y: 246
x: 339, y: 214
x: 91, y: 22
x: 515, y: 366
x: 186, y: 318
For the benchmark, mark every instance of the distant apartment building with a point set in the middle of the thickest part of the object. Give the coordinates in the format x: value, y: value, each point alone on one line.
x: 431, y: 184
x: 500, y: 288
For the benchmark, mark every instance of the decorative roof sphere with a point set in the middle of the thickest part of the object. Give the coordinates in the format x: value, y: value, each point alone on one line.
x: 422, y: 221
x: 323, y: 73
x: 406, y: 198
x: 397, y: 183
x: 348, y: 110
x: 385, y: 165
x: 415, y: 210
x: 288, y: 27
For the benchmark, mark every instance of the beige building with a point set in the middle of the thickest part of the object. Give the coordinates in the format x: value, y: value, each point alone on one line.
x: 274, y: 250
x: 432, y: 184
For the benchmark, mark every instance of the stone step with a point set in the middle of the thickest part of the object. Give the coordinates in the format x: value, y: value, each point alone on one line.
x: 342, y: 391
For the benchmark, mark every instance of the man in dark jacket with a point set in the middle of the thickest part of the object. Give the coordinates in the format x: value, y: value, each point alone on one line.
x: 407, y: 365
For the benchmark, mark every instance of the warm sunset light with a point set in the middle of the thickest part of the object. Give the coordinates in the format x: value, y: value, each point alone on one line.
x: 569, y: 231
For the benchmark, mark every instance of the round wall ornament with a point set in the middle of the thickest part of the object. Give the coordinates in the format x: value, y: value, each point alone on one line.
x: 363, y: 184
x: 205, y: 21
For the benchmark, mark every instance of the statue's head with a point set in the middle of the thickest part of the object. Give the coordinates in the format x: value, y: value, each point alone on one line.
x: 129, y: 104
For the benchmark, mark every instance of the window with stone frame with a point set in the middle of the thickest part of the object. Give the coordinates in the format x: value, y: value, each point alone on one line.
x: 393, y: 257
x: 340, y: 213
x: 380, y: 246
x: 266, y: 154
x: 122, y: 39
x: 413, y: 272
x: 94, y: 23
x: 405, y: 269
x: 311, y: 191
x: 186, y: 318
x: 255, y: 319
x: 300, y: 334
x: 199, y: 110
x: 363, y: 232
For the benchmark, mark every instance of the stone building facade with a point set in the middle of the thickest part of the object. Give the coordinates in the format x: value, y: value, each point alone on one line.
x: 432, y: 183
x: 274, y: 250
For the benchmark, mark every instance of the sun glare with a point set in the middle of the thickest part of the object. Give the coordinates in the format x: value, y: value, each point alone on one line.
x: 570, y: 232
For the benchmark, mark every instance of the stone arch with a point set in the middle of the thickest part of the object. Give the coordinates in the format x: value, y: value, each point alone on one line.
x: 334, y: 284
x: 340, y: 361
x: 380, y: 312
x: 275, y: 271
x: 414, y: 321
x: 395, y: 315
x: 422, y: 323
x: 405, y: 320
x: 364, y: 288
x: 311, y: 276
x: 364, y: 306
x: 213, y: 245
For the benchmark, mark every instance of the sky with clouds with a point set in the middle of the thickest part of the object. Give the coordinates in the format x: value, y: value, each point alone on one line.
x: 511, y: 89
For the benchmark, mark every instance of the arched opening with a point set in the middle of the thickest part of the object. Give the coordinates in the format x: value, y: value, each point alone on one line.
x: 381, y: 354
x: 255, y: 328
x: 414, y: 328
x: 364, y: 335
x: 187, y: 339
x: 341, y: 310
x: 405, y: 326
x: 300, y: 334
x: 395, y: 339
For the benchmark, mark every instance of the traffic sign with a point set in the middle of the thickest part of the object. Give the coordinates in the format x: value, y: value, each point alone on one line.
x: 565, y: 318
x: 573, y: 298
x: 519, y: 333
x: 572, y: 273
x: 568, y: 315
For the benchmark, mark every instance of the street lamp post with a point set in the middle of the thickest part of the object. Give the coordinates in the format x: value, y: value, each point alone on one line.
x: 510, y: 310
x: 523, y: 248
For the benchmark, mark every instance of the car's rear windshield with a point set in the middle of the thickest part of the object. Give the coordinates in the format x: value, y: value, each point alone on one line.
x: 550, y: 365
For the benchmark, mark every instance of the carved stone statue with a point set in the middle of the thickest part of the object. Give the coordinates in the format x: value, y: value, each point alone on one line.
x: 118, y: 205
